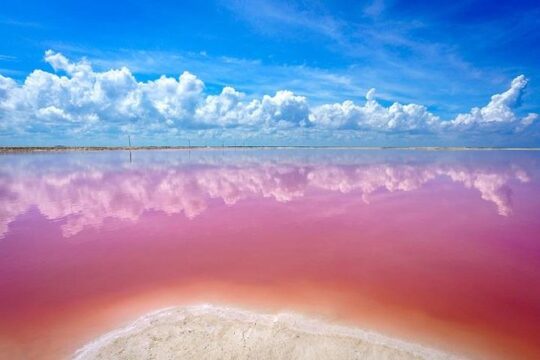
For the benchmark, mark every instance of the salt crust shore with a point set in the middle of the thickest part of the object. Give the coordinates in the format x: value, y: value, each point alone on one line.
x: 212, y: 332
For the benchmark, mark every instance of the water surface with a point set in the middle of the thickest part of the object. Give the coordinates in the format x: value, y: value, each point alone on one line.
x: 437, y: 248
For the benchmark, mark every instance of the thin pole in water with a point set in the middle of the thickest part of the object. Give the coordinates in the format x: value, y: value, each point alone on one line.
x: 129, y: 142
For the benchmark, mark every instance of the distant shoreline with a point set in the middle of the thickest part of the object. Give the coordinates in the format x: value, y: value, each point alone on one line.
x: 31, y: 149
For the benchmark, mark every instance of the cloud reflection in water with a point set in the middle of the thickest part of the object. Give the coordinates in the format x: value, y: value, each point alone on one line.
x: 86, y: 189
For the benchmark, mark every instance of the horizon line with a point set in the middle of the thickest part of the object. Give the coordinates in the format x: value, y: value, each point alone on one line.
x: 23, y: 149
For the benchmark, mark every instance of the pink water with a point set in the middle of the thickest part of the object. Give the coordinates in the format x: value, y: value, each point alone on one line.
x: 437, y: 248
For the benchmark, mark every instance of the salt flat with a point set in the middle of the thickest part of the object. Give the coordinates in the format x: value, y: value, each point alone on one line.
x: 212, y: 332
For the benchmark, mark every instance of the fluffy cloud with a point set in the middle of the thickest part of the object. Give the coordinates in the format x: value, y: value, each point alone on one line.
x: 374, y: 116
x: 499, y: 110
x: 76, y: 98
x: 229, y: 109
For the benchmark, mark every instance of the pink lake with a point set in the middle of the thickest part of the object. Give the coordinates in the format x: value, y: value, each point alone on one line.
x: 433, y: 247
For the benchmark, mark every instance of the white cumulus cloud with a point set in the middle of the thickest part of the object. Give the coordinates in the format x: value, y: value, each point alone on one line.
x: 77, y: 98
x: 500, y: 110
x: 374, y: 116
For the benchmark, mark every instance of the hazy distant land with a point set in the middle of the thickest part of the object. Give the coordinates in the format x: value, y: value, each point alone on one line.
x: 29, y: 149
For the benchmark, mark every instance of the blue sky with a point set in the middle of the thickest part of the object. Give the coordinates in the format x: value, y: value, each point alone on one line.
x: 443, y: 58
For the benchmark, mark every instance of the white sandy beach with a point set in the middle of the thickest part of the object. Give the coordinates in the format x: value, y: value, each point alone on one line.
x: 212, y: 332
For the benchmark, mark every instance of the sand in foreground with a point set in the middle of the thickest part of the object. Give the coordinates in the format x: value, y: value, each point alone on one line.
x: 212, y: 332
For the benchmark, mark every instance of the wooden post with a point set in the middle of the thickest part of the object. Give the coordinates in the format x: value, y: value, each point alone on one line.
x: 129, y: 142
